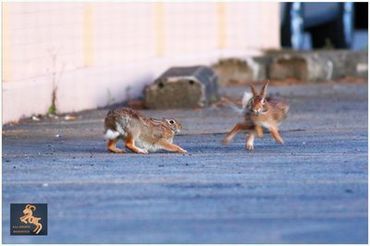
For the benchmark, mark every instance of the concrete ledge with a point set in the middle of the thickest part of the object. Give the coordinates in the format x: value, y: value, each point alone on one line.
x: 241, y: 70
x: 305, y: 67
x: 317, y: 65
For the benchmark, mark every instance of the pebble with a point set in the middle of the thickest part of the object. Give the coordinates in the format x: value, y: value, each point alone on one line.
x: 70, y: 117
x: 35, y: 118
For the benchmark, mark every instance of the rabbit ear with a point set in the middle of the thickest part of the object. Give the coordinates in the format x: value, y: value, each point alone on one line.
x: 264, y: 90
x: 253, y: 89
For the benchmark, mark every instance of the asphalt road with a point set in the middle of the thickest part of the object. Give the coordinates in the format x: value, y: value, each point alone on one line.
x: 313, y: 189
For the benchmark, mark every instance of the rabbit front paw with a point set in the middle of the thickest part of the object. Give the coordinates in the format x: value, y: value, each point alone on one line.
x: 142, y: 151
x: 280, y: 141
x: 182, y: 151
x: 249, y: 146
x: 226, y: 140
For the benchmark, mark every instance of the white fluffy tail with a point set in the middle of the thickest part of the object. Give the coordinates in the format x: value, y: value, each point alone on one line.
x: 109, y: 134
x: 246, y: 97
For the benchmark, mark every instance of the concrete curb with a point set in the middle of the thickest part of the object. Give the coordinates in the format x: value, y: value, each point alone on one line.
x: 317, y: 65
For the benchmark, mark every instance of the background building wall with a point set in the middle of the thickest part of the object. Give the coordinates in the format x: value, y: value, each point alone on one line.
x: 94, y: 54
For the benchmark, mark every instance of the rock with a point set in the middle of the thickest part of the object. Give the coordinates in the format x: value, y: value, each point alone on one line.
x: 339, y: 60
x: 317, y: 65
x: 241, y: 70
x: 183, y: 87
x: 262, y: 64
x: 357, y: 64
x: 346, y: 62
x: 69, y: 117
x: 301, y: 66
x: 35, y: 118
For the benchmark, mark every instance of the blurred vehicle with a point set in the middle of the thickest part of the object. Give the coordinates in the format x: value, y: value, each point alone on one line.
x: 331, y: 24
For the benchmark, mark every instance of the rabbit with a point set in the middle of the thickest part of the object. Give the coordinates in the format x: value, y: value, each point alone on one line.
x: 139, y: 133
x: 260, y: 112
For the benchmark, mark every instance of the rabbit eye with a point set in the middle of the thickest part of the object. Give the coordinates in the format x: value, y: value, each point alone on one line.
x: 171, y: 121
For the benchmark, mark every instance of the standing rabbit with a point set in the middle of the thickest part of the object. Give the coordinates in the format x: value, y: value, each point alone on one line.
x: 260, y: 112
x: 140, y: 134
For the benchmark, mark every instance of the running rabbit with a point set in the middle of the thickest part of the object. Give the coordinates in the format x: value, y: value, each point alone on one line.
x: 139, y: 133
x: 259, y: 112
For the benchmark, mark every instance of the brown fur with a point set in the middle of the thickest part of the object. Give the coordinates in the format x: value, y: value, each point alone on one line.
x: 261, y: 112
x: 136, y: 129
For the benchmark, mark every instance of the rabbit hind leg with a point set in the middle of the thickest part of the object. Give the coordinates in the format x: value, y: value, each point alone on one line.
x: 111, y: 145
x: 276, y: 135
x: 130, y: 144
x: 236, y: 129
x: 259, y: 131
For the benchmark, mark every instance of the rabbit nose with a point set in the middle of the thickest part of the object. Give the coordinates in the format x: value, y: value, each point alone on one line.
x: 257, y: 111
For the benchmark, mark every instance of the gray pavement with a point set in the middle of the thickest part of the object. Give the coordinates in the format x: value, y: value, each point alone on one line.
x: 313, y: 189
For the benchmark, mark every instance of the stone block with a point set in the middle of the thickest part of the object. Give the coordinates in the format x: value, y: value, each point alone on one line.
x: 318, y: 65
x: 301, y: 66
x: 357, y: 64
x: 241, y: 70
x: 183, y: 87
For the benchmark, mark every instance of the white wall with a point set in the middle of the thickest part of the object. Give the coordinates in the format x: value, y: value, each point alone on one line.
x: 94, y: 51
